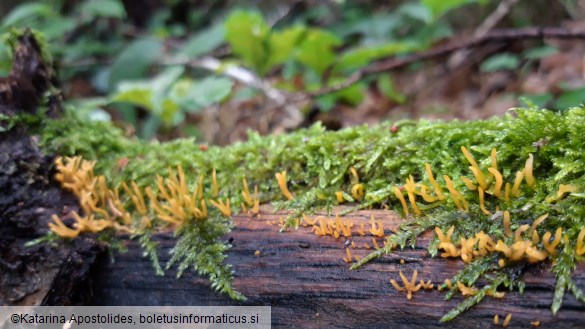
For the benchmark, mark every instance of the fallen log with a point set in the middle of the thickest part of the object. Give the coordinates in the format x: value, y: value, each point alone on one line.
x: 303, y: 278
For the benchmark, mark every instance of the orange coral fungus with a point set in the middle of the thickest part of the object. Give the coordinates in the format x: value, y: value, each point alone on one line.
x: 409, y: 286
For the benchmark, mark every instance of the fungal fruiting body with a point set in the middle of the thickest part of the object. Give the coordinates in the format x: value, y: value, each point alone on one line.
x: 409, y: 286
x: 105, y: 208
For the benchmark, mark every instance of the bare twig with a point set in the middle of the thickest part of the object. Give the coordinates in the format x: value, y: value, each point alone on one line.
x: 489, y: 23
x: 504, y: 35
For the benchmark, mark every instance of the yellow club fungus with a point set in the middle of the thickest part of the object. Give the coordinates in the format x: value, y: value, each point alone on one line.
x: 507, y: 229
x: 339, y: 197
x: 425, y: 285
x: 534, y: 255
x: 59, y: 228
x: 495, y: 293
x: 434, y: 183
x: 281, y: 178
x: 354, y: 178
x: 348, y: 257
x: 357, y: 191
x: 246, y: 193
x: 224, y: 208
x: 482, y: 201
x: 519, y: 231
x: 427, y: 197
x: 528, y: 176
x: 465, y: 290
x: 457, y: 197
x: 409, y: 286
x: 475, y: 168
x: 551, y: 246
x: 507, y: 193
x: 215, y: 186
x: 536, y: 222
x: 517, y: 182
x: 410, y: 188
x: 563, y: 189
x: 499, y: 181
x: 400, y: 197
x: 448, y: 283
x: 377, y: 228
x: 362, y: 230
x: 507, y: 320
x: 375, y: 243
x: 580, y: 244
x: 469, y: 183
x: 467, y: 248
x: 494, y: 159
x: 445, y: 243
x: 496, y: 320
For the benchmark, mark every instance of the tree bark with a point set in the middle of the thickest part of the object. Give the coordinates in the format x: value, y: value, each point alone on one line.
x: 303, y: 277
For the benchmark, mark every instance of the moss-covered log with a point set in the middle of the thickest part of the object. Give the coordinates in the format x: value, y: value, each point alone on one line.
x: 303, y: 277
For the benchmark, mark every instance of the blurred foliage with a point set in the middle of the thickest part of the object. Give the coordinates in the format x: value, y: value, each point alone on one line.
x: 143, y: 74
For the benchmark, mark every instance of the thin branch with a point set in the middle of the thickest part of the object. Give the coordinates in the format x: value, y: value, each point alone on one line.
x: 504, y: 35
x: 488, y: 24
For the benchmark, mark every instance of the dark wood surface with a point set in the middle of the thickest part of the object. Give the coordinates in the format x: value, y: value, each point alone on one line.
x: 303, y: 278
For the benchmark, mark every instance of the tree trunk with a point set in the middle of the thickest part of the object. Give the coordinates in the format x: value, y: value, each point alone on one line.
x: 303, y: 277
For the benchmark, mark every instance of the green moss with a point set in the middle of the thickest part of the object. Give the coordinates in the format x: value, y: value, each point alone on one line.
x: 317, y: 164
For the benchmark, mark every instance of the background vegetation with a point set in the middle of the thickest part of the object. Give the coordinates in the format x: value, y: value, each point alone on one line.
x: 214, y: 69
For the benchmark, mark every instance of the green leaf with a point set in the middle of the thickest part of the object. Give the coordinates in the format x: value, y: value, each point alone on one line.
x: 570, y: 98
x: 352, y: 95
x: 538, y: 100
x: 386, y: 86
x: 204, y: 41
x: 133, y: 62
x: 27, y: 11
x: 138, y: 93
x: 416, y: 11
x: 539, y: 52
x: 440, y: 7
x: 102, y: 8
x: 247, y: 33
x: 316, y: 51
x: 503, y: 61
x: 358, y: 57
x: 210, y: 90
x: 282, y: 44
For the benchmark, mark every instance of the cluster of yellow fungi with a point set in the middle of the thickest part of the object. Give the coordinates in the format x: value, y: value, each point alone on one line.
x: 103, y: 207
x: 485, y: 184
x: 411, y: 286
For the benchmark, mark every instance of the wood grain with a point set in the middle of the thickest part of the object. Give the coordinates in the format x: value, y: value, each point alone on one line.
x: 303, y: 277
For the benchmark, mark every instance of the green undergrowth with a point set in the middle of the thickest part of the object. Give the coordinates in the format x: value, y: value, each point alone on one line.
x: 318, y: 163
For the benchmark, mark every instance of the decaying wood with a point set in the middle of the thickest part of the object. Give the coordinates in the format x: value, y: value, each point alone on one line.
x: 303, y: 277
x: 39, y: 274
